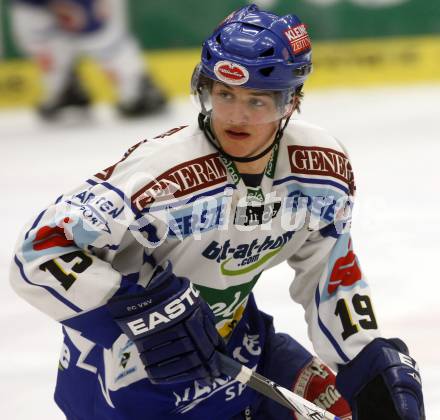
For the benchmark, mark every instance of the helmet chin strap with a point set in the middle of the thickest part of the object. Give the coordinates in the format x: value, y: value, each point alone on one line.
x: 205, y: 126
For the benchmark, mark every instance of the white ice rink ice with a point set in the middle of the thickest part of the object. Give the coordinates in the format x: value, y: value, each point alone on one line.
x: 393, y: 138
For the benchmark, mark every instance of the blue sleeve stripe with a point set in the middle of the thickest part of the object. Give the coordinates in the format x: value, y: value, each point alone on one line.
x: 148, y: 258
x: 53, y: 292
x: 117, y: 191
x: 111, y: 247
x: 211, y: 192
x: 109, y: 187
x: 311, y: 181
x: 91, y: 182
x: 327, y: 333
x: 34, y: 225
x: 172, y: 205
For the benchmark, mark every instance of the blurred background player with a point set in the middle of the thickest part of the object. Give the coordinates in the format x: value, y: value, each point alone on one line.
x: 56, y: 33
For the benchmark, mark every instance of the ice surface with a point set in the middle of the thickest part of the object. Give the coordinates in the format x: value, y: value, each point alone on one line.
x: 393, y: 138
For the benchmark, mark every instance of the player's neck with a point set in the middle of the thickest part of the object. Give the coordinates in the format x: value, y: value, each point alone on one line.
x: 254, y: 167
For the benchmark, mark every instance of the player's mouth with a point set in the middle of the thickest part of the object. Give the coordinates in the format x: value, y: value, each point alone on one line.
x: 237, y: 135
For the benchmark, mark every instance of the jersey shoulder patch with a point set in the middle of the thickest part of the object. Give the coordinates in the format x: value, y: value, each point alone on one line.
x: 313, y: 152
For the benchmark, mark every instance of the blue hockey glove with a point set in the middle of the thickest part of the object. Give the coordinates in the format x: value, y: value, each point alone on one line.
x: 173, y: 329
x: 383, y: 382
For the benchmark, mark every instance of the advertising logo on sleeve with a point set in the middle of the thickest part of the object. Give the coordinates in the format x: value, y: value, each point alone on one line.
x: 57, y: 236
x: 344, y: 269
x: 95, y: 209
x: 322, y: 161
x: 51, y: 237
x: 231, y: 73
x: 181, y: 180
x: 346, y: 272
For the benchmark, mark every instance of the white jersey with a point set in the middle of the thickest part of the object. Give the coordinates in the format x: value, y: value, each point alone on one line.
x: 176, y: 199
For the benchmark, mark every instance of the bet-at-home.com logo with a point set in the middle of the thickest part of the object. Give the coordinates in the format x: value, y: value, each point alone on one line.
x: 246, y: 257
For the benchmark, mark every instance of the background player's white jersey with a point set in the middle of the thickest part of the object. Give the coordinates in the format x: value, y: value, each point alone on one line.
x: 58, y: 33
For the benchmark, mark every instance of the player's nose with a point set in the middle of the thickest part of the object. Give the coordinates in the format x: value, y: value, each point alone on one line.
x: 237, y: 115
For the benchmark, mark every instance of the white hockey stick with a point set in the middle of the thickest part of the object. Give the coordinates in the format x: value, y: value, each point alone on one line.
x: 271, y: 390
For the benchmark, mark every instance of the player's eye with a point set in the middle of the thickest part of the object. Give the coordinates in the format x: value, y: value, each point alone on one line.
x: 257, y: 102
x: 224, y: 94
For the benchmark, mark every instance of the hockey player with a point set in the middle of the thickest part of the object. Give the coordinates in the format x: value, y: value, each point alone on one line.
x: 56, y: 33
x: 149, y: 265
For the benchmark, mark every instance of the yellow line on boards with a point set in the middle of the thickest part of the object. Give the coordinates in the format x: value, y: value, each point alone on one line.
x: 364, y: 62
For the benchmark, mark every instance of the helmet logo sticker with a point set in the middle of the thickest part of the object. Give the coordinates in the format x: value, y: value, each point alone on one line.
x: 298, y: 38
x: 231, y: 73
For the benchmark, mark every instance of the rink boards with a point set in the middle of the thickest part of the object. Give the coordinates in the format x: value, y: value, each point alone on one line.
x: 352, y: 63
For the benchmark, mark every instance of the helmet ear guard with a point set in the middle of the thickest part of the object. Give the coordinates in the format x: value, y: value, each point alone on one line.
x: 201, y: 90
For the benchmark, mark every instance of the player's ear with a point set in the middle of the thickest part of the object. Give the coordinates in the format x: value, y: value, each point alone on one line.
x: 293, y: 105
x: 297, y: 98
x: 296, y: 104
x: 296, y: 101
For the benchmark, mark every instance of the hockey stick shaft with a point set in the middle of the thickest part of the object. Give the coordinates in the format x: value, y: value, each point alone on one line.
x: 271, y: 390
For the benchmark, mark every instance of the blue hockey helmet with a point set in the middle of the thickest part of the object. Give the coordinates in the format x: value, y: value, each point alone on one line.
x: 254, y: 49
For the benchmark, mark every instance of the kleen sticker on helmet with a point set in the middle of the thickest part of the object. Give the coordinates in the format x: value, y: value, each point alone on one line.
x: 231, y: 73
x: 298, y: 38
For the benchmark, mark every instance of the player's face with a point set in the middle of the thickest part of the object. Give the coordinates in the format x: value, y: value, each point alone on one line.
x: 244, y: 120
